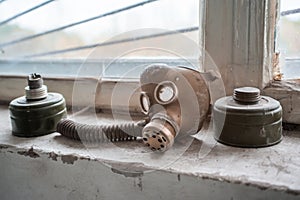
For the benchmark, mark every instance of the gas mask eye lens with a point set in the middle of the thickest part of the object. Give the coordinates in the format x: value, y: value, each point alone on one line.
x: 144, y: 102
x: 165, y: 92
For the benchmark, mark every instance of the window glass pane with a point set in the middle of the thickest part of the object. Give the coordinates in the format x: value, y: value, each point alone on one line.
x: 289, y: 39
x: 166, y: 14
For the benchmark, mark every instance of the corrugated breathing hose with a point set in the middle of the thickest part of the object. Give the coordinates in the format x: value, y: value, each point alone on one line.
x: 100, y: 133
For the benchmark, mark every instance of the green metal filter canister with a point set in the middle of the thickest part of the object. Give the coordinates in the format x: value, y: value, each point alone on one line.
x: 247, y: 119
x: 38, y: 112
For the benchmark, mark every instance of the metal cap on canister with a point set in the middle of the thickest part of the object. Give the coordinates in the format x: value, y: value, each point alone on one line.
x: 247, y: 119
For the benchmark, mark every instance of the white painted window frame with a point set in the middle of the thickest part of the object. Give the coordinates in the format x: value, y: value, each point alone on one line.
x: 240, y: 37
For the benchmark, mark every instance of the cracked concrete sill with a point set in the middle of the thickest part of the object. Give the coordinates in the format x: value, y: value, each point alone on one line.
x: 52, y: 166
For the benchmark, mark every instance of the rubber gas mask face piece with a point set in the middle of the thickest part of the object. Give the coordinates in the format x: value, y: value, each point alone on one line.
x: 176, y: 100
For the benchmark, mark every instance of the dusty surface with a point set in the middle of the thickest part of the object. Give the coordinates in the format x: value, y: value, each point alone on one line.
x: 276, y: 167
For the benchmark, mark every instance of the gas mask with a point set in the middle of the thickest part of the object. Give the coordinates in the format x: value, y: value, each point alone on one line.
x: 176, y: 100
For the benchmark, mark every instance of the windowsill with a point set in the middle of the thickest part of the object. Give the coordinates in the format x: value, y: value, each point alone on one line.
x: 274, y: 168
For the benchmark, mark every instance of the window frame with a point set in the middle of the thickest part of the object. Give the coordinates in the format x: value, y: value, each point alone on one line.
x: 261, y: 58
